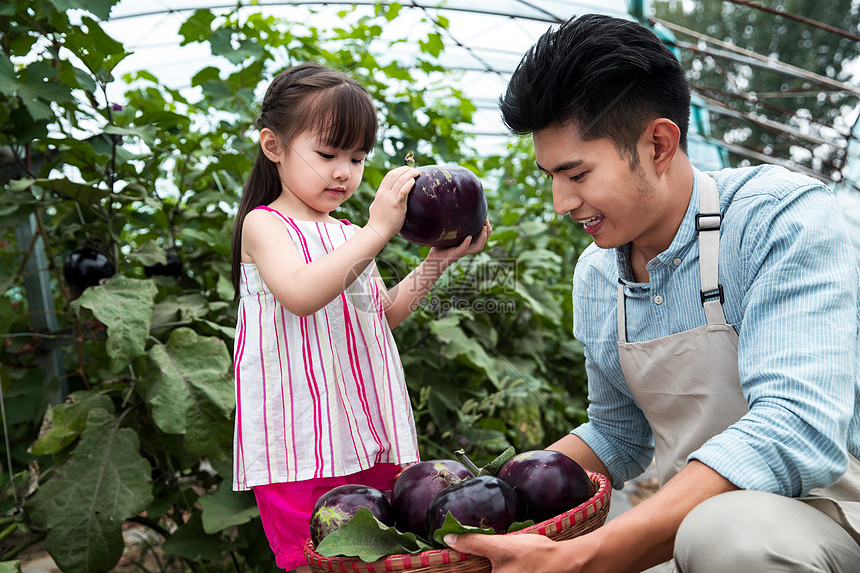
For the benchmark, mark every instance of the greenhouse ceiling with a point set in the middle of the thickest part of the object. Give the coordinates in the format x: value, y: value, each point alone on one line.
x: 484, y: 41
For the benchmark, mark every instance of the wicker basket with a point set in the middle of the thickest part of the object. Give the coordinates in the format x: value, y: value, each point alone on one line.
x: 587, y: 516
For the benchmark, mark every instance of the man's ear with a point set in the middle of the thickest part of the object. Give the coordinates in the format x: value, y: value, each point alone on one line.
x: 270, y: 144
x: 664, y: 139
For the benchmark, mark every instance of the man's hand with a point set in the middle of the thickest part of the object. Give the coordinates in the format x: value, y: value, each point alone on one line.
x: 514, y: 553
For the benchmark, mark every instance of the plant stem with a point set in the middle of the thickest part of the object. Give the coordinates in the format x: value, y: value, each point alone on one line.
x: 16, y: 550
x: 8, y: 531
x: 461, y: 455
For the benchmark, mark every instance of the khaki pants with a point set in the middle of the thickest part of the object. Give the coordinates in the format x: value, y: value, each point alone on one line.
x: 757, y: 532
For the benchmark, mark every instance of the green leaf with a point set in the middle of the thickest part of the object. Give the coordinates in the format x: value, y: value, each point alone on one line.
x: 215, y: 238
x: 392, y: 10
x: 98, y: 8
x: 207, y: 74
x: 181, y: 308
x: 8, y: 80
x: 145, y: 133
x: 433, y: 45
x: 84, y: 193
x: 492, y: 468
x: 368, y: 539
x: 149, y: 253
x: 225, y: 289
x: 124, y: 305
x: 189, y: 387
x: 197, y: 28
x: 456, y: 344
x: 226, y: 508
x: 104, y: 482
x: 221, y: 41
x: 16, y: 207
x: 65, y: 422
x: 518, y: 525
x: 97, y: 50
x: 451, y: 525
x: 30, y: 97
x: 228, y: 331
x: 193, y: 543
x: 10, y: 566
x: 246, y: 50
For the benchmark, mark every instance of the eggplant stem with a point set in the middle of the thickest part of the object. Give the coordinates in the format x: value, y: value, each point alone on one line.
x: 461, y: 455
x: 450, y: 477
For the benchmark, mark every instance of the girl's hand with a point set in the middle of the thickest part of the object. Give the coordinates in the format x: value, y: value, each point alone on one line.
x: 388, y: 210
x: 467, y: 247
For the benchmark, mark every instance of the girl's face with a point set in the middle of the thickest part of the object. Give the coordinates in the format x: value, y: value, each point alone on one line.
x: 316, y: 178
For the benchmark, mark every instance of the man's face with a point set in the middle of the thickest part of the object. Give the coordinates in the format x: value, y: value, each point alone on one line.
x: 596, y: 186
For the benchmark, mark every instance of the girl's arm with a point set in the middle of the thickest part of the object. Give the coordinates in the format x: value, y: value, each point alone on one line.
x: 304, y: 288
x: 407, y: 294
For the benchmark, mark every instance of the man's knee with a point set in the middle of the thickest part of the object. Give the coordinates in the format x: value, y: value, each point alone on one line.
x: 753, y: 531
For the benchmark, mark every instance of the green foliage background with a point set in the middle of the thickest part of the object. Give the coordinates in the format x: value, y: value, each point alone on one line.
x: 138, y: 426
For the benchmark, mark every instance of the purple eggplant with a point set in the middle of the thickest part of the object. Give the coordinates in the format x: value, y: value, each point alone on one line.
x: 338, y: 505
x: 483, y: 501
x: 446, y: 205
x: 86, y: 267
x: 547, y: 483
x: 417, y: 486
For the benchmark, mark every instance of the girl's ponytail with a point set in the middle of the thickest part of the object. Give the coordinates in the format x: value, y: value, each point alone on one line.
x: 261, y: 188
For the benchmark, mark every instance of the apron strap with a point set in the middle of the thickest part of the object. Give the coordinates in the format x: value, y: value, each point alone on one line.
x: 621, y: 311
x: 708, y: 222
x: 708, y: 227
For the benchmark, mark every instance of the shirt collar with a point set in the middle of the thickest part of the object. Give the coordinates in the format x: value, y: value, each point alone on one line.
x: 684, y: 238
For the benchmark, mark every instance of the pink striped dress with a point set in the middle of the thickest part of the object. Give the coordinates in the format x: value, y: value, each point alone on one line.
x: 317, y: 396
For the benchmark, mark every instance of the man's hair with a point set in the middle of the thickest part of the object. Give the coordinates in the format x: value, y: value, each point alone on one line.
x: 609, y: 77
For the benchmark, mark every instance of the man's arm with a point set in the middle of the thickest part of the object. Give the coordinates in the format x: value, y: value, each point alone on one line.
x: 573, y: 447
x: 635, y: 540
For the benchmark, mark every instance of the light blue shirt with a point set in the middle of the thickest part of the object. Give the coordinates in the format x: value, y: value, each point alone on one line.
x: 792, y: 294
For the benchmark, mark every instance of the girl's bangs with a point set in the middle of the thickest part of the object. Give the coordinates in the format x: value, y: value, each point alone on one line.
x: 348, y: 119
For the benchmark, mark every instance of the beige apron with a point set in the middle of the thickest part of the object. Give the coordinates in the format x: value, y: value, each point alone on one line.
x: 687, y: 384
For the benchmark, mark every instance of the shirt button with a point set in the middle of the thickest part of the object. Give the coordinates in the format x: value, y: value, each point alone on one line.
x: 658, y: 299
x: 676, y: 261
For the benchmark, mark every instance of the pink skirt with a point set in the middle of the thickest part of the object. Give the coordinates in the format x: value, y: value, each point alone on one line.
x: 285, y: 509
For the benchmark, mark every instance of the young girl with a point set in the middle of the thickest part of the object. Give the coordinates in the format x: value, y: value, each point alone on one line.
x: 320, y: 391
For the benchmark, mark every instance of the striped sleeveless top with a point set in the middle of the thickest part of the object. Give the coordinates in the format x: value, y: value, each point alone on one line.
x: 322, y: 395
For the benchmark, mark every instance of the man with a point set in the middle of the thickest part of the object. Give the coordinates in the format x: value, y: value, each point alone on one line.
x: 719, y: 316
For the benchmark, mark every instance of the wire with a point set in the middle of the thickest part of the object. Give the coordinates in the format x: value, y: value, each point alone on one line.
x: 797, y: 18
x: 754, y: 58
x: 720, y: 108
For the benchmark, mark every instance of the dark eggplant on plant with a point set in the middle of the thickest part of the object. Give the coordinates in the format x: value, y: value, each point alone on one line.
x: 85, y: 267
x: 172, y: 267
